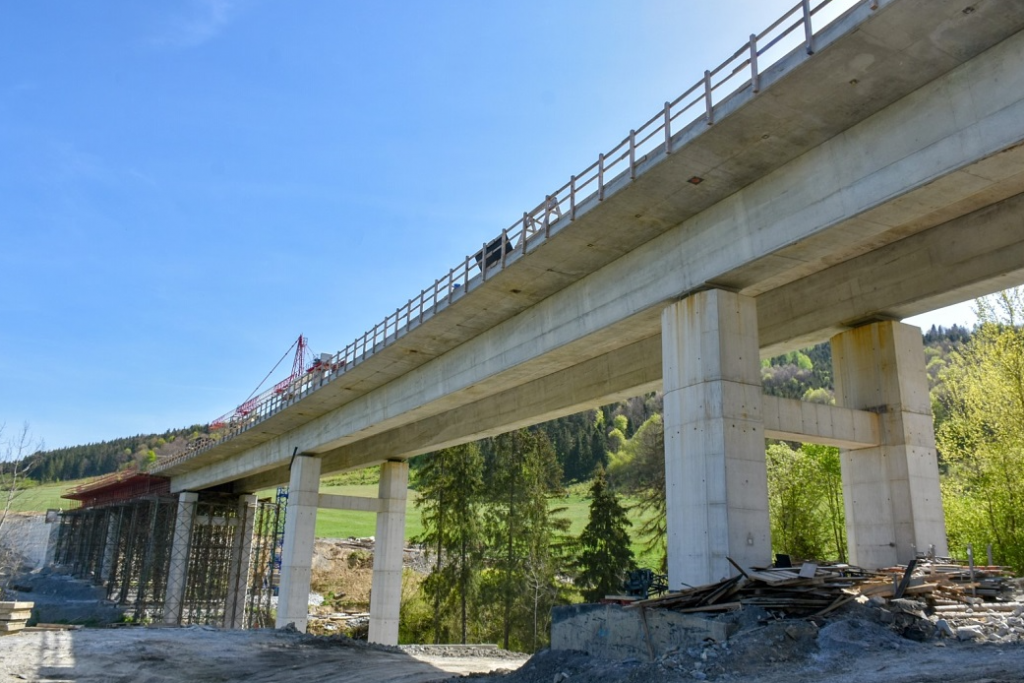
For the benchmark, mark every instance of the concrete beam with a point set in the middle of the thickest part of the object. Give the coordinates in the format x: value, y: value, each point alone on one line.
x: 792, y: 420
x: 630, y: 371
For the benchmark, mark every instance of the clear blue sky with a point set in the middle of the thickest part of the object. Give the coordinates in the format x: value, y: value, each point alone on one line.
x: 189, y: 185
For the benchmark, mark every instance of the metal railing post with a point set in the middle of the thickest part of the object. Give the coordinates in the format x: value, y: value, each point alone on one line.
x: 707, y: 97
x: 755, y: 77
x: 668, y: 128
x: 600, y: 177
x: 572, y: 198
x: 632, y: 155
x: 808, y: 30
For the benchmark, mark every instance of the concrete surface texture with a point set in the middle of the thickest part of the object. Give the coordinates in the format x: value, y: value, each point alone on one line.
x: 614, y: 632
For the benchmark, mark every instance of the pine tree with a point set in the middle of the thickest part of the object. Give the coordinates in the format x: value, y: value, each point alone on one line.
x: 605, y: 549
x: 521, y: 528
x: 450, y: 484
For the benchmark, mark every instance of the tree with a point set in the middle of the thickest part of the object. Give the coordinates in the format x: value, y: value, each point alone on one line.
x: 14, y: 463
x: 605, y: 553
x: 982, y: 437
x: 450, y: 484
x: 521, y: 528
x: 805, y: 501
x: 639, y: 469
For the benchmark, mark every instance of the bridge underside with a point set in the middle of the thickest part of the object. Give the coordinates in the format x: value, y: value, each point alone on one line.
x: 880, y: 178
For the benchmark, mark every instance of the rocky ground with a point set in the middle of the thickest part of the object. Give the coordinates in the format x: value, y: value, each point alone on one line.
x: 848, y: 649
x: 871, y: 641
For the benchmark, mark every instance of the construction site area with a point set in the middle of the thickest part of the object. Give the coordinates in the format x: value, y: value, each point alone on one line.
x: 90, y: 609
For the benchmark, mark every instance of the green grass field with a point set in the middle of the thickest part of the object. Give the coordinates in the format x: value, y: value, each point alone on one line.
x: 43, y: 497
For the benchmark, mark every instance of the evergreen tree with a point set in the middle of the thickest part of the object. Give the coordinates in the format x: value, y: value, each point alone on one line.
x: 521, y: 529
x: 450, y: 484
x: 605, y: 554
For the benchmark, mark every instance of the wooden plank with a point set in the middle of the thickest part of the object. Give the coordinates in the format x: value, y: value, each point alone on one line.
x: 16, y: 615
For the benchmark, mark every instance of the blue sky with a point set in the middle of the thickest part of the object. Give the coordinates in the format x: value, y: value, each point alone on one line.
x: 189, y: 185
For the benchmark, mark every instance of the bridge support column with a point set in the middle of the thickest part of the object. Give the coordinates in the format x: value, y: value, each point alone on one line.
x: 110, y: 544
x: 386, y: 591
x: 177, y: 573
x: 299, y: 536
x: 891, y: 491
x: 716, y: 482
x: 240, y: 571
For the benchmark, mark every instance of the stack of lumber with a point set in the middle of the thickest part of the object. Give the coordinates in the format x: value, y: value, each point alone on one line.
x: 941, y: 583
x: 815, y: 590
x: 13, y: 616
x: 808, y: 590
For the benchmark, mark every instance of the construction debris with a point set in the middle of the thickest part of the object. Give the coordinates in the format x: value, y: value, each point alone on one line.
x: 921, y: 600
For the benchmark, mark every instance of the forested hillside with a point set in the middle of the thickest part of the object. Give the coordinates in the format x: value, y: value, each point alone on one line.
x: 89, y: 460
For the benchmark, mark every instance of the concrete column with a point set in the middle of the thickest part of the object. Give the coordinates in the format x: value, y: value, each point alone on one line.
x: 386, y: 591
x: 299, y: 536
x: 716, y: 480
x: 891, y: 491
x: 177, y: 573
x: 110, y: 544
x: 240, y: 571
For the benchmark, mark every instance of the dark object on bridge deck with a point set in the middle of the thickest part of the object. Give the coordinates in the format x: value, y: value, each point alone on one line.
x: 643, y: 582
x: 493, y: 252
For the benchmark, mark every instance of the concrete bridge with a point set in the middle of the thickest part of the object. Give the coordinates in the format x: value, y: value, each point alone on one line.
x: 873, y: 172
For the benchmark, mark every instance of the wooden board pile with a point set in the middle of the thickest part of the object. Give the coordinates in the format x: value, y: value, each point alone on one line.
x: 808, y: 590
x: 942, y: 583
x: 13, y: 616
x: 815, y: 590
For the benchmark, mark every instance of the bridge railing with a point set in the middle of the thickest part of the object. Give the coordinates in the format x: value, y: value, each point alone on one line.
x: 743, y: 68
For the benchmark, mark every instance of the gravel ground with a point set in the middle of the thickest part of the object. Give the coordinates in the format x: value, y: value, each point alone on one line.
x: 207, y: 655
x: 847, y: 650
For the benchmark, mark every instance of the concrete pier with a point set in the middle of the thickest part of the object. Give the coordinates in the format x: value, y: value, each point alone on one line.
x: 891, y: 491
x: 386, y: 591
x: 177, y: 574
x: 299, y: 535
x: 716, y: 485
x: 240, y: 571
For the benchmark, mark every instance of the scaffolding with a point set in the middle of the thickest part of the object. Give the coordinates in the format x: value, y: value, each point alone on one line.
x: 225, y: 561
